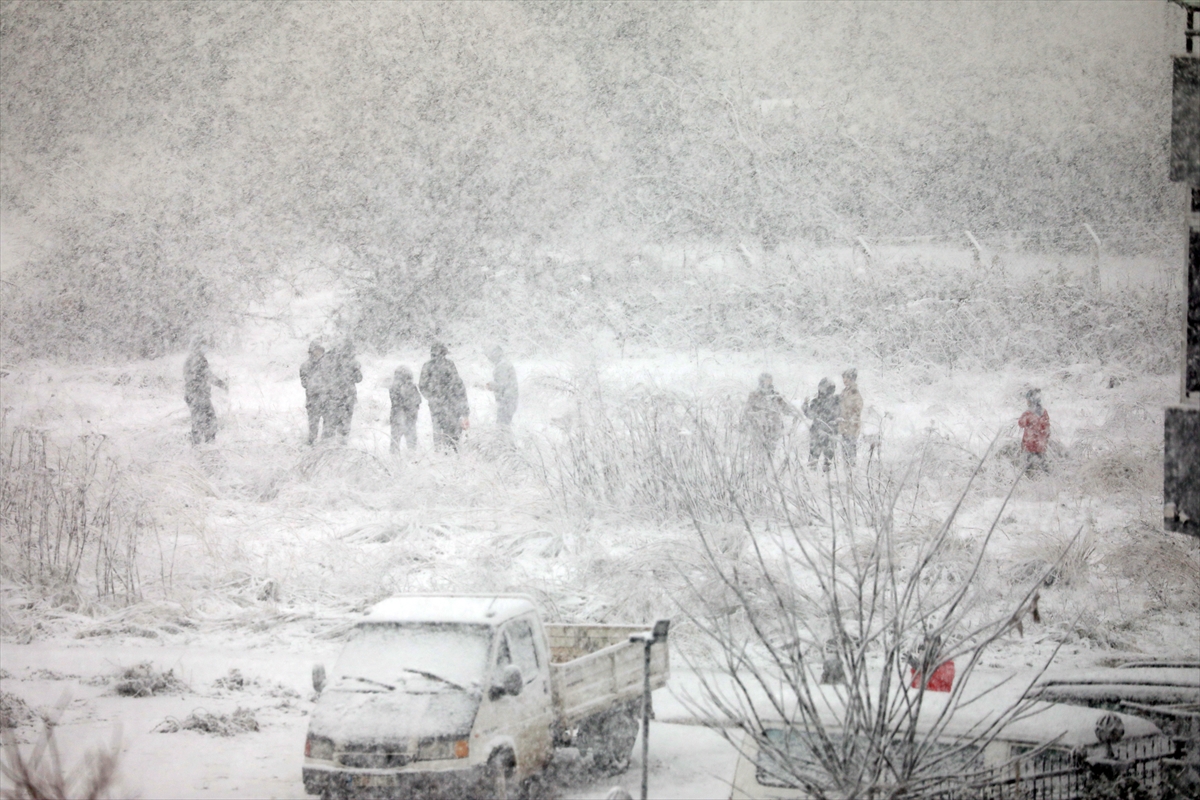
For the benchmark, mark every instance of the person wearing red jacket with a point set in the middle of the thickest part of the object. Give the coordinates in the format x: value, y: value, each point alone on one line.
x: 1035, y: 435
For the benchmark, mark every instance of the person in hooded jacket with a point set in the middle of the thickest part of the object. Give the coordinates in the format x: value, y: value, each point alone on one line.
x: 764, y: 412
x: 850, y: 406
x: 198, y: 380
x: 406, y: 401
x: 824, y: 411
x: 504, y: 385
x: 313, y: 379
x: 1035, y: 432
x: 343, y: 373
x: 447, y: 397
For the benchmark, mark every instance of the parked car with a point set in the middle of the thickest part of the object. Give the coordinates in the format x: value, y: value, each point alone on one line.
x: 1049, y: 752
x: 1164, y: 691
x: 463, y: 695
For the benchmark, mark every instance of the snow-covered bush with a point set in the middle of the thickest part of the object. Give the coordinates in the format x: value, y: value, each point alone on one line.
x: 821, y: 624
x: 14, y: 711
x: 146, y: 680
x: 119, y: 288
x: 69, y: 530
x: 660, y: 453
x: 906, y: 315
x: 241, y: 720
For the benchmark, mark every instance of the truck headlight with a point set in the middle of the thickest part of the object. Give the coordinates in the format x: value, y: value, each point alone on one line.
x: 318, y: 747
x: 441, y: 749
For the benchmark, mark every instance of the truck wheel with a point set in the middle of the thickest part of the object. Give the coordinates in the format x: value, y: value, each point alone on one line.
x: 538, y: 787
x: 611, y: 737
x: 498, y: 783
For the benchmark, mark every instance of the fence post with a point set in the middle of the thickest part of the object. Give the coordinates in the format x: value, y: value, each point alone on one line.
x: 862, y: 242
x: 977, y: 247
x: 1095, y: 274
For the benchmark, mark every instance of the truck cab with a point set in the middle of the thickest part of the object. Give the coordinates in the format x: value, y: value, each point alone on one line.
x: 434, y: 695
x: 467, y: 696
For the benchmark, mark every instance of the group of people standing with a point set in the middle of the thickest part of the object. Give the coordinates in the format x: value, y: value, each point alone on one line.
x: 330, y: 396
x: 838, y: 418
x: 330, y: 379
x: 835, y: 417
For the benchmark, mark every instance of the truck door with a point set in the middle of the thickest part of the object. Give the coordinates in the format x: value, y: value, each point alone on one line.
x: 533, y: 709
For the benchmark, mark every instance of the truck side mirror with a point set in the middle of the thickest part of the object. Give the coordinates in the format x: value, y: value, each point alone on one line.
x: 511, y: 682
x: 318, y: 677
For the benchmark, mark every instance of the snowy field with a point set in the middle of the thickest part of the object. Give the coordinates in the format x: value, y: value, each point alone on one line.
x: 256, y: 551
x: 647, y: 206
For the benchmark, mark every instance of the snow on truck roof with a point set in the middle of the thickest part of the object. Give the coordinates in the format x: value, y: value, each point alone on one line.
x: 461, y: 608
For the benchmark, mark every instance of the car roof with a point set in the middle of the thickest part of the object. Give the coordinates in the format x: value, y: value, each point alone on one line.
x: 1109, y: 685
x: 490, y: 609
x: 1037, y: 723
x: 1128, y: 674
x: 1140, y: 663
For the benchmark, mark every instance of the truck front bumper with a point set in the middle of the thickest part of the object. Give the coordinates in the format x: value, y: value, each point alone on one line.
x: 337, y: 781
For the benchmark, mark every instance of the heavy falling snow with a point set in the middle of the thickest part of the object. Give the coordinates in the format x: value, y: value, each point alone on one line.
x: 646, y: 207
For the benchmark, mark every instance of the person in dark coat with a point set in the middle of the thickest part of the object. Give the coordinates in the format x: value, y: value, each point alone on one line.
x: 765, y: 408
x: 343, y: 373
x: 314, y: 380
x: 198, y: 381
x: 406, y: 401
x: 824, y: 410
x: 447, y: 397
x: 503, y: 385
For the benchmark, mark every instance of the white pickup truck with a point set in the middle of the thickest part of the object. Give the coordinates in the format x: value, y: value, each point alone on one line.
x: 463, y: 695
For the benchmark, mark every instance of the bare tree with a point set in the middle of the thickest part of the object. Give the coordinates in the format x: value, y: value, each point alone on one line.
x: 833, y: 630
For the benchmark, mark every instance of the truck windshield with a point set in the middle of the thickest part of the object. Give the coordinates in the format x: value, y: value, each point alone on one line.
x: 438, y: 656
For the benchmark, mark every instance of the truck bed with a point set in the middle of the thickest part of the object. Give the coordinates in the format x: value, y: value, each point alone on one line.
x: 595, y: 667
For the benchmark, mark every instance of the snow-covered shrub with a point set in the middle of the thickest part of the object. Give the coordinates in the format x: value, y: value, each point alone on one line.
x: 129, y: 284
x: 146, y: 680
x: 1167, y: 565
x: 906, y: 316
x: 662, y: 453
x: 69, y: 525
x: 14, y: 711
x: 242, y: 720
x: 851, y: 599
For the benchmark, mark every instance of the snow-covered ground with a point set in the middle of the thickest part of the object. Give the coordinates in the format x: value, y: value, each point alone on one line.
x: 686, y: 761
x: 263, y: 547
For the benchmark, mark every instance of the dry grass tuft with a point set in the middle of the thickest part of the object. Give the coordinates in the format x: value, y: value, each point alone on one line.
x: 72, y: 526
x: 1167, y: 564
x: 1116, y: 472
x: 232, y: 681
x: 14, y: 712
x: 242, y: 720
x: 666, y: 456
x: 145, y: 680
x: 345, y: 464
